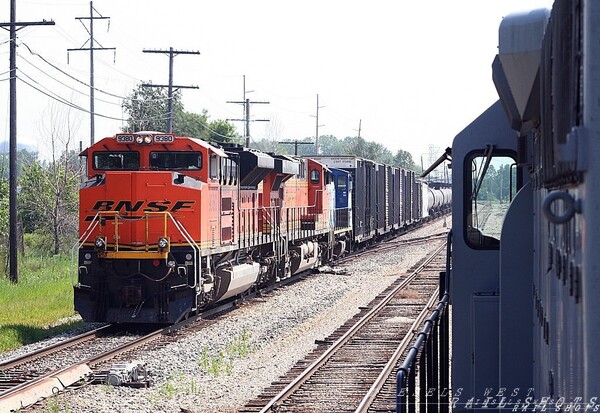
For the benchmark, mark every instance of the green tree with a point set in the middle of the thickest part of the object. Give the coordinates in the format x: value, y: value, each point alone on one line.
x: 222, y: 131
x: 24, y: 157
x: 404, y: 159
x: 191, y: 124
x: 48, y: 200
x: 48, y: 195
x: 147, y: 108
x: 354, y: 145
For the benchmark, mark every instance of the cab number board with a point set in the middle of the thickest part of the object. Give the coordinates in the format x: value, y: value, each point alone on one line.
x: 125, y: 138
x: 163, y: 138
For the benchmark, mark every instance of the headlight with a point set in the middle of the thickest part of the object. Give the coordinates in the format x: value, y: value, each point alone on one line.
x: 148, y: 139
x: 100, y: 243
x: 163, y: 243
x: 139, y: 139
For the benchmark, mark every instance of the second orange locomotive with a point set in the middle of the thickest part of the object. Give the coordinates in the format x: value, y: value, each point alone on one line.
x: 169, y: 225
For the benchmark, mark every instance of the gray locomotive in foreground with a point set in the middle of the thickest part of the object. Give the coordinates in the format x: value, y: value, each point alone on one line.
x: 525, y: 273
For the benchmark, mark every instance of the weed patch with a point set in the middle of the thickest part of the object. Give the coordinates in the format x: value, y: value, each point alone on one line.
x: 223, y: 361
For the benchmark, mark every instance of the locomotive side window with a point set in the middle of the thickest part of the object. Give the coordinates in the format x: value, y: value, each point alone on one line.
x: 228, y: 171
x: 488, y: 198
x: 302, y: 169
x: 176, y: 160
x: 214, y: 167
x: 116, y: 161
x: 314, y: 176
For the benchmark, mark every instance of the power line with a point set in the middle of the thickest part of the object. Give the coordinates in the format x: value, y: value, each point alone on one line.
x: 80, y: 81
x: 64, y: 101
x: 12, y: 187
x: 172, y: 53
x: 296, y: 143
x: 62, y: 83
x: 92, y: 47
x: 247, y: 102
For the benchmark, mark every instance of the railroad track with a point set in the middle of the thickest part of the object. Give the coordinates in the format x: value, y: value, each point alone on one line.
x: 23, y: 382
x: 352, y: 369
x: 395, y: 241
x: 28, y: 379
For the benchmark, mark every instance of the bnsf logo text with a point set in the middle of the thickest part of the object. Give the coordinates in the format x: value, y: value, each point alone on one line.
x: 140, y: 206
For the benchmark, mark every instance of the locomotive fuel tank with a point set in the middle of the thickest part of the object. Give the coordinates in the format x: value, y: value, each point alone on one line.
x: 236, y: 278
x: 304, y: 256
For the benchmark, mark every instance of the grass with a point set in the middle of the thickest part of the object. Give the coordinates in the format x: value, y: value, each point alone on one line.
x: 177, y: 383
x: 223, y: 362
x: 42, y: 296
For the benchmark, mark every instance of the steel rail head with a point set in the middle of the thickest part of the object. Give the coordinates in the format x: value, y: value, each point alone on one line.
x: 309, y: 371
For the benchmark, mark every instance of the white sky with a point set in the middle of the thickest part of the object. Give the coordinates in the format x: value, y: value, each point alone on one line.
x: 415, y: 72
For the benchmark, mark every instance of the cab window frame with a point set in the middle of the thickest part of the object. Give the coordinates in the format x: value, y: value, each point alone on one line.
x: 176, y: 167
x: 488, y: 242
x: 315, y: 176
x: 96, y: 154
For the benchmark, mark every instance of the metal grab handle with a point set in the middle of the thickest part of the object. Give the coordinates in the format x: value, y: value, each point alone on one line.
x: 572, y: 206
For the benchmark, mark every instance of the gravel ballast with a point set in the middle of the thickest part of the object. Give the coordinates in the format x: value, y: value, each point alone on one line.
x: 231, y: 361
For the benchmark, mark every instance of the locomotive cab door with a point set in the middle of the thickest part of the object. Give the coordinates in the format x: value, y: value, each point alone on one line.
x: 482, y: 174
x: 342, y: 182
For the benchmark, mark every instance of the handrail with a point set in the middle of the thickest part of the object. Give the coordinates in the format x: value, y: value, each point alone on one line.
x: 79, y: 243
x: 184, y: 232
x: 408, y: 363
x: 425, y: 338
x: 180, y: 227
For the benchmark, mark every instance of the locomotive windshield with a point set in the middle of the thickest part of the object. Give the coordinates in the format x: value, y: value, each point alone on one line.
x: 115, y: 161
x: 493, y: 185
x: 176, y: 160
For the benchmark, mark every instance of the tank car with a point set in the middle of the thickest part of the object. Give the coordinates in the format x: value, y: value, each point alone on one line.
x: 524, y: 276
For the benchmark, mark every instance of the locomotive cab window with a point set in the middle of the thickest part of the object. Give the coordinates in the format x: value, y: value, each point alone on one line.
x: 214, y: 167
x: 314, y: 176
x: 491, y: 185
x: 116, y: 161
x: 175, y: 160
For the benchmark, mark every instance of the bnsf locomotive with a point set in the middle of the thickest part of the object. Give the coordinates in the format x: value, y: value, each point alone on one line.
x: 169, y: 225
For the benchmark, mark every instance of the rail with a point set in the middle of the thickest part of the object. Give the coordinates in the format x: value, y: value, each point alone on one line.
x: 431, y: 352
x: 308, y: 372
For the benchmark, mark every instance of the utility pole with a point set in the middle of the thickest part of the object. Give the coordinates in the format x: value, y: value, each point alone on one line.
x: 247, y: 102
x: 359, y: 127
x: 317, y: 126
x: 12, y: 152
x: 172, y: 53
x: 92, y: 46
x: 296, y: 143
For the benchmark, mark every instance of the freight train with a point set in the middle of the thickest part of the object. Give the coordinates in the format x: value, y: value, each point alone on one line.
x: 170, y: 225
x: 525, y: 275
